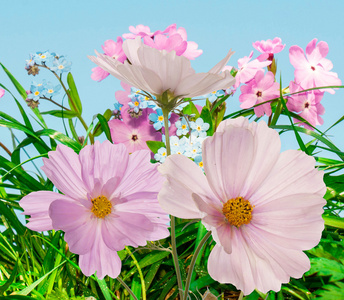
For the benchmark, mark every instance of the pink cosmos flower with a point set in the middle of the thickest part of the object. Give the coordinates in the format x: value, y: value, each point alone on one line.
x: 247, y: 70
x: 109, y: 201
x: 263, y: 207
x: 307, y: 105
x: 114, y: 50
x: 2, y: 92
x: 313, y: 69
x: 145, y: 71
x: 269, y: 46
x: 133, y: 132
x: 260, y: 89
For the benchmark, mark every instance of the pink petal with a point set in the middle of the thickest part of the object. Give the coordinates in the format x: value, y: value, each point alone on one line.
x: 77, y: 221
x: 98, y: 74
x: 102, y: 161
x: 64, y: 170
x: 36, y: 205
x: 297, y: 57
x: 227, y: 159
x: 184, y: 178
x: 100, y: 259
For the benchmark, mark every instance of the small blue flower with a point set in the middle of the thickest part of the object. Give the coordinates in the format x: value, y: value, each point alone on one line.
x: 61, y: 65
x: 183, y: 127
x: 161, y: 154
x: 199, y: 161
x: 118, y: 106
x: 42, y: 57
x: 158, y: 119
x: 51, y: 90
x: 214, y: 95
x: 37, y: 90
x: 199, y: 128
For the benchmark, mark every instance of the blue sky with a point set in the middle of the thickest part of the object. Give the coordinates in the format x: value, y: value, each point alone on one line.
x: 76, y: 28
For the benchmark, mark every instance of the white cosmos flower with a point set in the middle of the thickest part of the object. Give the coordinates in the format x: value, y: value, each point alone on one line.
x: 156, y: 71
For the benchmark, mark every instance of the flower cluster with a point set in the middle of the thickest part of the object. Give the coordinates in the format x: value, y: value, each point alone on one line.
x: 50, y: 60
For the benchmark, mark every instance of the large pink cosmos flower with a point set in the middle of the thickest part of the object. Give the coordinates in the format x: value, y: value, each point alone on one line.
x: 247, y: 69
x: 157, y: 71
x: 307, y: 104
x: 313, y: 69
x: 269, y: 46
x: 262, y: 206
x: 260, y: 89
x: 114, y: 50
x: 133, y: 132
x: 109, y: 201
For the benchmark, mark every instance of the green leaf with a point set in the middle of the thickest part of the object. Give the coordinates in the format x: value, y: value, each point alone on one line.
x: 7, y: 284
x: 61, y: 138
x: 191, y: 109
x: 16, y: 297
x: 154, y: 146
x: 15, y: 82
x: 333, y: 221
x: 206, y: 116
x: 12, y: 218
x: 326, y: 267
x: 68, y: 114
x: 74, y: 95
x: 136, y: 287
x: 330, y: 292
x: 105, y: 126
x: 17, y: 126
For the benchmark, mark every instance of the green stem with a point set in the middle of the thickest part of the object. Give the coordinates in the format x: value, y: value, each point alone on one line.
x: 192, y: 264
x: 71, y: 101
x: 200, y: 234
x: 276, y: 114
x: 143, y: 286
x: 165, y: 113
x: 241, y: 295
x: 127, y: 288
x: 104, y: 288
x: 59, y: 105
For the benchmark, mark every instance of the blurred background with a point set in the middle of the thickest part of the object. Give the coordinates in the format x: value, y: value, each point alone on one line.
x: 76, y: 28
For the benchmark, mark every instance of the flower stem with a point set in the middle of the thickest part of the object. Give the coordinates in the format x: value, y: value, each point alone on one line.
x: 276, y: 114
x: 241, y: 295
x: 192, y: 264
x: 165, y: 113
x: 143, y: 286
x: 127, y: 288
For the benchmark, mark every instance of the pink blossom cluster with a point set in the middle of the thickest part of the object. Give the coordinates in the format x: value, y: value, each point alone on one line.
x: 312, y: 70
x: 172, y: 38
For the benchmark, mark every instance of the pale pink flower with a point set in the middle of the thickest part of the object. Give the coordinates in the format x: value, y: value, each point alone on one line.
x: 114, y: 50
x: 109, y: 201
x: 247, y: 69
x: 263, y: 207
x: 2, y: 92
x: 307, y: 104
x: 260, y: 89
x: 157, y: 71
x: 133, y: 132
x: 313, y: 69
x: 122, y: 96
x: 269, y: 46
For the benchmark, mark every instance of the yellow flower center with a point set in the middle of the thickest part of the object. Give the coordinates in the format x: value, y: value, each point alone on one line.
x: 136, y: 103
x: 183, y: 126
x: 60, y: 67
x: 238, y: 211
x: 43, y: 56
x: 101, y: 207
x: 201, y: 164
x: 50, y: 91
x: 161, y: 118
x: 164, y: 154
x: 199, y: 128
x: 36, y: 93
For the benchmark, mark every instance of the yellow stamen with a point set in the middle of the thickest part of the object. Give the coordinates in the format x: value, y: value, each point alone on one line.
x: 60, y: 67
x: 238, y: 211
x: 183, y: 126
x: 101, y: 207
x: 136, y: 103
x: 50, y: 91
x: 36, y: 93
x: 201, y: 164
x: 161, y: 118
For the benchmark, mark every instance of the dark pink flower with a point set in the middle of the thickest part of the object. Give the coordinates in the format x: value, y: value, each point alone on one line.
x: 133, y: 132
x: 269, y: 46
x: 260, y: 89
x: 114, y: 50
x: 247, y: 69
x: 307, y: 104
x: 313, y: 69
